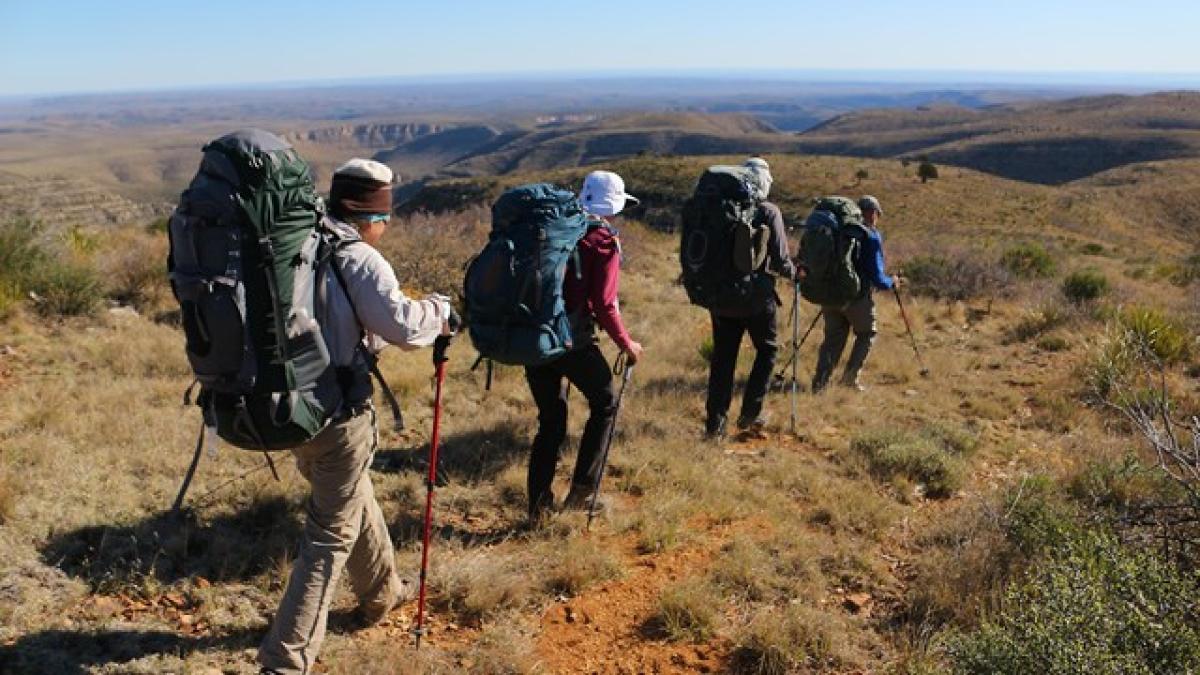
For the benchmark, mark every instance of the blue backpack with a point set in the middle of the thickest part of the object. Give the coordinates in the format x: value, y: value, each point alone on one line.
x: 513, y: 289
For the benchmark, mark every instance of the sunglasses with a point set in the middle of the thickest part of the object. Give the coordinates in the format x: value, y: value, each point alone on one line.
x: 378, y: 218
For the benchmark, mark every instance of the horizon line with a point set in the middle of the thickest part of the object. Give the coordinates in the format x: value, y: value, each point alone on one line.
x: 958, y: 77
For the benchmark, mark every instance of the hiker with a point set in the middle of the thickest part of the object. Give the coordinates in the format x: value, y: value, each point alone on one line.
x: 729, y: 324
x: 859, y: 314
x: 345, y: 526
x: 590, y: 295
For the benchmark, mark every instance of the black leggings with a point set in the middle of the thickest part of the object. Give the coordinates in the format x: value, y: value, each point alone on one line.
x: 587, y: 369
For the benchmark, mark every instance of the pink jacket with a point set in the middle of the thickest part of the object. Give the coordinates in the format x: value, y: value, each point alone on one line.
x: 592, y: 291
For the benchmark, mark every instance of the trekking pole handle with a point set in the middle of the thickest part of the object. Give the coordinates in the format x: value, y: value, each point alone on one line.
x: 440, y: 345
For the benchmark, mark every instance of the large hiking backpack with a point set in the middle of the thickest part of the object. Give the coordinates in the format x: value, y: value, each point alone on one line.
x: 829, y: 248
x: 515, y: 312
x: 724, y: 243
x: 246, y: 255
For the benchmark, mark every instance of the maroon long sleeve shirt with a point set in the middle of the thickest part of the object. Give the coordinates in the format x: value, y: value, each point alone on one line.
x: 591, y: 291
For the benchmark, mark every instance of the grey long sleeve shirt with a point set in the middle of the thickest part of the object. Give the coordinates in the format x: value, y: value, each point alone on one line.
x: 388, y: 316
x: 779, y: 258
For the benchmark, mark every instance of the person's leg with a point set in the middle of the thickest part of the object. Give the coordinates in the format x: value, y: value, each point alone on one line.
x: 763, y: 334
x: 372, y: 563
x: 589, y: 372
x: 726, y: 339
x: 837, y: 329
x: 334, y: 463
x: 861, y: 316
x: 550, y: 395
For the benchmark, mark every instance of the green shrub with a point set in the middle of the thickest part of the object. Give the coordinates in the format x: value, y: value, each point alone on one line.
x: 1163, y: 336
x: 927, y: 171
x: 1094, y: 607
x: 1029, y: 261
x: 20, y: 251
x: 1085, y: 286
x: 688, y: 611
x: 69, y: 289
x: 10, y: 298
x: 932, y: 458
x: 705, y: 350
x: 1092, y: 248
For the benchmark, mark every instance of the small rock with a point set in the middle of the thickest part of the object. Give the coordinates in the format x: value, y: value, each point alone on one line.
x: 858, y: 602
x: 569, y: 614
x: 911, y: 392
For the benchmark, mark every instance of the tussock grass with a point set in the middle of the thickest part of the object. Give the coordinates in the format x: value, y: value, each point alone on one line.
x: 932, y: 458
x: 688, y: 611
x: 778, y: 641
x: 478, y: 585
x: 579, y: 564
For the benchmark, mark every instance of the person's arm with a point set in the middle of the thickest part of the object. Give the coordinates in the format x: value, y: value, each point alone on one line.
x: 779, y: 259
x: 873, y: 250
x: 603, y: 282
x: 383, y: 308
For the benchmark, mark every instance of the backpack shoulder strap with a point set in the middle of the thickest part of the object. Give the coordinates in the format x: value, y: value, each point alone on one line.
x: 338, y: 243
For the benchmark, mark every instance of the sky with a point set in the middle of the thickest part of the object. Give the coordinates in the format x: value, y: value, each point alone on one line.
x: 63, y: 46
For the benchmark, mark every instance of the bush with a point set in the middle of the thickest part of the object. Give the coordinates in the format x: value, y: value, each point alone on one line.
x: 1039, y: 322
x: 1092, y: 249
x: 20, y: 251
x: 932, y: 458
x: 927, y: 171
x: 1085, y: 286
x: 1163, y: 336
x: 1053, y: 343
x: 961, y: 277
x: 69, y: 289
x: 1094, y: 607
x: 1029, y: 261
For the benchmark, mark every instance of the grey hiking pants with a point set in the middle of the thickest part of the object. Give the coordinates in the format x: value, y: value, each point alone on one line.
x: 345, y: 528
x: 858, y: 316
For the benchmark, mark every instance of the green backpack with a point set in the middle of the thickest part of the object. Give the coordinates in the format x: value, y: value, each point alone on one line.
x: 829, y: 248
x: 246, y: 255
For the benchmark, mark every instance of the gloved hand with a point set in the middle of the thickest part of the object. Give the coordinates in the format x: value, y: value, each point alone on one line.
x: 454, y: 321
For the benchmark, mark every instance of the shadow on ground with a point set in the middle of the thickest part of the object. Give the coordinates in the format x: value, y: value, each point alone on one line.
x: 233, y: 547
x: 467, y: 458
x: 64, y: 652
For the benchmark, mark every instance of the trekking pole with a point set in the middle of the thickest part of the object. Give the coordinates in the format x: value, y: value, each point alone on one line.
x: 908, y: 327
x: 439, y: 363
x: 621, y: 365
x: 191, y: 472
x: 795, y: 350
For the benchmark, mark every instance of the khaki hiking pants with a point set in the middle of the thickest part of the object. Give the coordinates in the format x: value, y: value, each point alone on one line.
x: 345, y: 528
x: 858, y: 316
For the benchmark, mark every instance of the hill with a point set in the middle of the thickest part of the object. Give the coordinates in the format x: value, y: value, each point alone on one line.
x: 897, y: 531
x: 1044, y: 142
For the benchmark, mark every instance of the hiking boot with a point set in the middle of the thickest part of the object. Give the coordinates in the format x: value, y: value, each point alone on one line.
x: 752, y: 424
x: 373, y: 612
x: 580, y: 499
x: 540, y: 510
x: 714, y: 428
x: 854, y: 384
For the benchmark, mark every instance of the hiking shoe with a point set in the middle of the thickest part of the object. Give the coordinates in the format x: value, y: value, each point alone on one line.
x: 755, y: 424
x: 580, y: 499
x: 373, y: 612
x: 714, y: 428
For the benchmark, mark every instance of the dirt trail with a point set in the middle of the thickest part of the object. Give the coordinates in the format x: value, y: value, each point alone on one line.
x: 610, y: 628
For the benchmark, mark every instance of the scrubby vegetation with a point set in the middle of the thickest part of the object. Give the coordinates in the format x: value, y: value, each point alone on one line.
x: 977, y: 519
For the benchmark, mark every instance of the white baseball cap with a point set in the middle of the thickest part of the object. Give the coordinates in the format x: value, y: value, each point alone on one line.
x: 603, y: 194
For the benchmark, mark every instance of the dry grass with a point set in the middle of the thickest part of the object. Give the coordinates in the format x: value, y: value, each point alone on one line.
x: 92, y: 425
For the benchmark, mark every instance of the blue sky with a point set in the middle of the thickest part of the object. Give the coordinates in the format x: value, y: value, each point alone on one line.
x: 51, y: 46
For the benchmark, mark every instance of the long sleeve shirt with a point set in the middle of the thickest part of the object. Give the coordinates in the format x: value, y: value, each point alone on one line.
x: 387, y: 315
x: 870, y: 264
x: 591, y: 290
x: 779, y: 259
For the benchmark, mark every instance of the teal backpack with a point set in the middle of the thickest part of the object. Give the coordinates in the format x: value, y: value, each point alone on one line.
x: 515, y: 313
x: 829, y: 248
x: 246, y: 254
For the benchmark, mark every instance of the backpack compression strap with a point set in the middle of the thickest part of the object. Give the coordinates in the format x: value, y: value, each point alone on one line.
x: 371, y: 359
